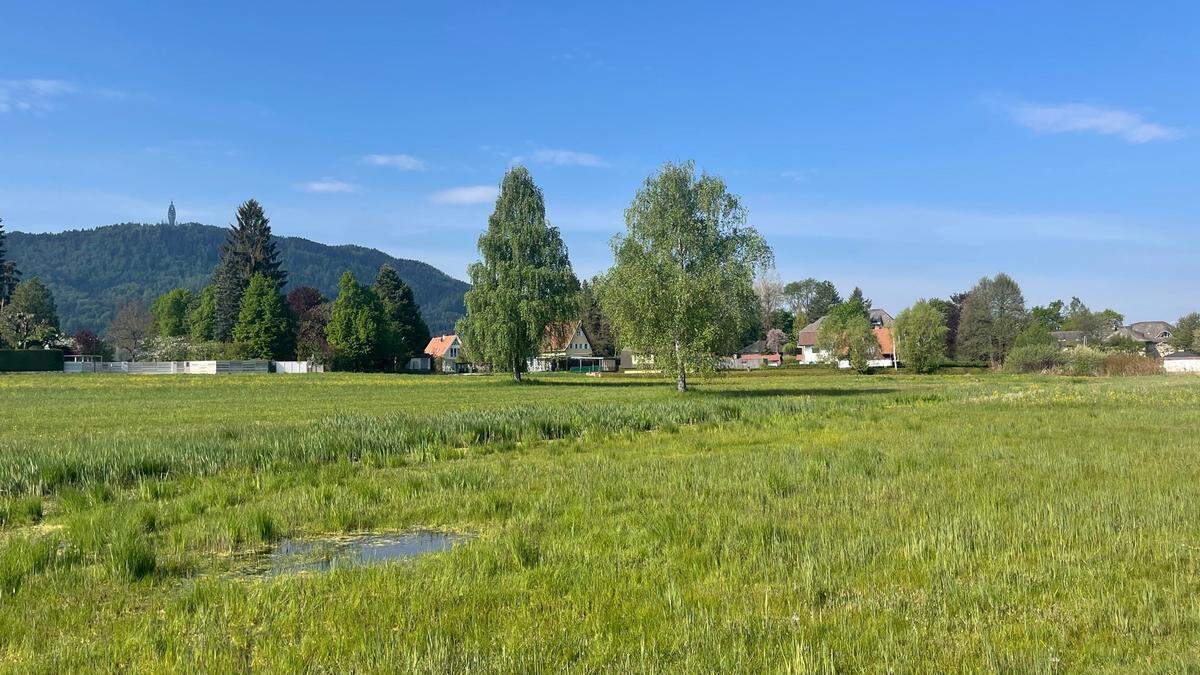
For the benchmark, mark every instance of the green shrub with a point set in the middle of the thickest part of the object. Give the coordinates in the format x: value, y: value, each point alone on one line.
x: 1084, y: 361
x: 216, y: 351
x: 1034, y: 358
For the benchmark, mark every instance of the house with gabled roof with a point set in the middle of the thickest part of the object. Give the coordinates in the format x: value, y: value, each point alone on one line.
x: 445, y: 354
x: 881, y: 326
x: 566, y: 346
x: 1155, y: 335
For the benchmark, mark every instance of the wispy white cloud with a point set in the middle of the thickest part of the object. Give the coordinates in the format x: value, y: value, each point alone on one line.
x: 328, y: 186
x: 468, y: 194
x: 795, y: 176
x: 33, y: 95
x: 947, y: 226
x: 560, y: 158
x: 402, y: 162
x: 1080, y: 117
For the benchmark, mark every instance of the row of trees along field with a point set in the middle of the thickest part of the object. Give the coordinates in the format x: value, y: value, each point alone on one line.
x: 986, y: 325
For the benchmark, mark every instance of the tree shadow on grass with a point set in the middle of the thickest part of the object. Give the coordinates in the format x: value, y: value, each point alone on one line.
x: 609, y: 382
x: 791, y: 391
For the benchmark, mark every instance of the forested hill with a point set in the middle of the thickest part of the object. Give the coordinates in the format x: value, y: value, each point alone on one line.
x: 91, y: 272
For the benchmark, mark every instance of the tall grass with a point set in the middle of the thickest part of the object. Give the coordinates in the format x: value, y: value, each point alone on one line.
x: 376, y: 439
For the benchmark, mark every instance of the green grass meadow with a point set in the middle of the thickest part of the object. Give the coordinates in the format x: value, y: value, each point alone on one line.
x: 781, y: 521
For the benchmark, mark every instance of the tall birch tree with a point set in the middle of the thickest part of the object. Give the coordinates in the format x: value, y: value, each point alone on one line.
x: 682, y: 286
x: 522, y: 283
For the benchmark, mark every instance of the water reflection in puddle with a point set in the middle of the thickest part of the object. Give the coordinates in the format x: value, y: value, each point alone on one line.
x: 294, y: 556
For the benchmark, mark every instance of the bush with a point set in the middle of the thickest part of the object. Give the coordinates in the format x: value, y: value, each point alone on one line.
x: 1084, y: 361
x: 1121, y: 344
x: 1131, y: 364
x: 1034, y: 358
x: 217, y: 351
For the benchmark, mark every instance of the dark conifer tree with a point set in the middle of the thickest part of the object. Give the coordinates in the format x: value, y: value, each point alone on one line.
x: 410, y: 334
x: 10, y: 276
x: 248, y: 250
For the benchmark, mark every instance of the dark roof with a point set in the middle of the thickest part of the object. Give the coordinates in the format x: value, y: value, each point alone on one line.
x: 881, y: 317
x: 1153, y: 330
x: 1185, y: 354
x: 757, y: 347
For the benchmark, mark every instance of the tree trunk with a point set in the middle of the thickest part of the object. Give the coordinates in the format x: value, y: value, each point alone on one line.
x: 517, y: 373
x: 681, y: 381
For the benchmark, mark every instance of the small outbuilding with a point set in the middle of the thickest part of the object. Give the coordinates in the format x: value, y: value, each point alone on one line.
x: 1182, y: 362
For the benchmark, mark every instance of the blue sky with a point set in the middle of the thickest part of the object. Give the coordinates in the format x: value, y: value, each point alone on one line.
x: 908, y: 148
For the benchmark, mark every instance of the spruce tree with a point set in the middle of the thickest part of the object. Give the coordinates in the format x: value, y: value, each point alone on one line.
x: 10, y: 276
x: 248, y: 250
x: 264, y: 324
x: 409, y: 333
x: 522, y: 284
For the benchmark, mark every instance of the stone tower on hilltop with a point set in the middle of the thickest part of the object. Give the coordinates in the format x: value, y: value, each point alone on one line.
x: 171, y: 214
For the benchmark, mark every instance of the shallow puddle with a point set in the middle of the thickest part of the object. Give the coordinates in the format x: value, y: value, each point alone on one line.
x: 295, y: 556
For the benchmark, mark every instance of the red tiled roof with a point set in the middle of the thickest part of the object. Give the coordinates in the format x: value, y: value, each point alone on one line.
x: 558, y: 337
x: 437, y: 346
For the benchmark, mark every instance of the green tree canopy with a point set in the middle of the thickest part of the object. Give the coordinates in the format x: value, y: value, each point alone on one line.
x: 921, y: 337
x: 809, y: 300
x: 264, y: 324
x: 1094, y: 325
x: 992, y: 316
x: 33, y: 298
x: 202, y: 317
x: 10, y: 276
x: 682, y: 285
x: 248, y: 250
x: 358, y: 330
x: 951, y: 315
x: 846, y: 331
x: 1187, y: 328
x: 1036, y: 333
x: 408, y: 332
x: 171, y: 311
x: 1050, y: 316
x: 522, y: 283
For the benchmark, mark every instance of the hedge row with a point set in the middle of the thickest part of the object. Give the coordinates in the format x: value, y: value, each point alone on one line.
x: 29, y: 360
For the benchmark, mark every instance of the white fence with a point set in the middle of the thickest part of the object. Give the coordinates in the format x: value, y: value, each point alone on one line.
x: 191, y: 367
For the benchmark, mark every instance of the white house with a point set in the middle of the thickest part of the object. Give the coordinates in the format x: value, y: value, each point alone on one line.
x: 444, y: 352
x: 881, y: 324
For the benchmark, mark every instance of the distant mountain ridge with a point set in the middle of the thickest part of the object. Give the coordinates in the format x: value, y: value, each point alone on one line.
x: 92, y: 272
